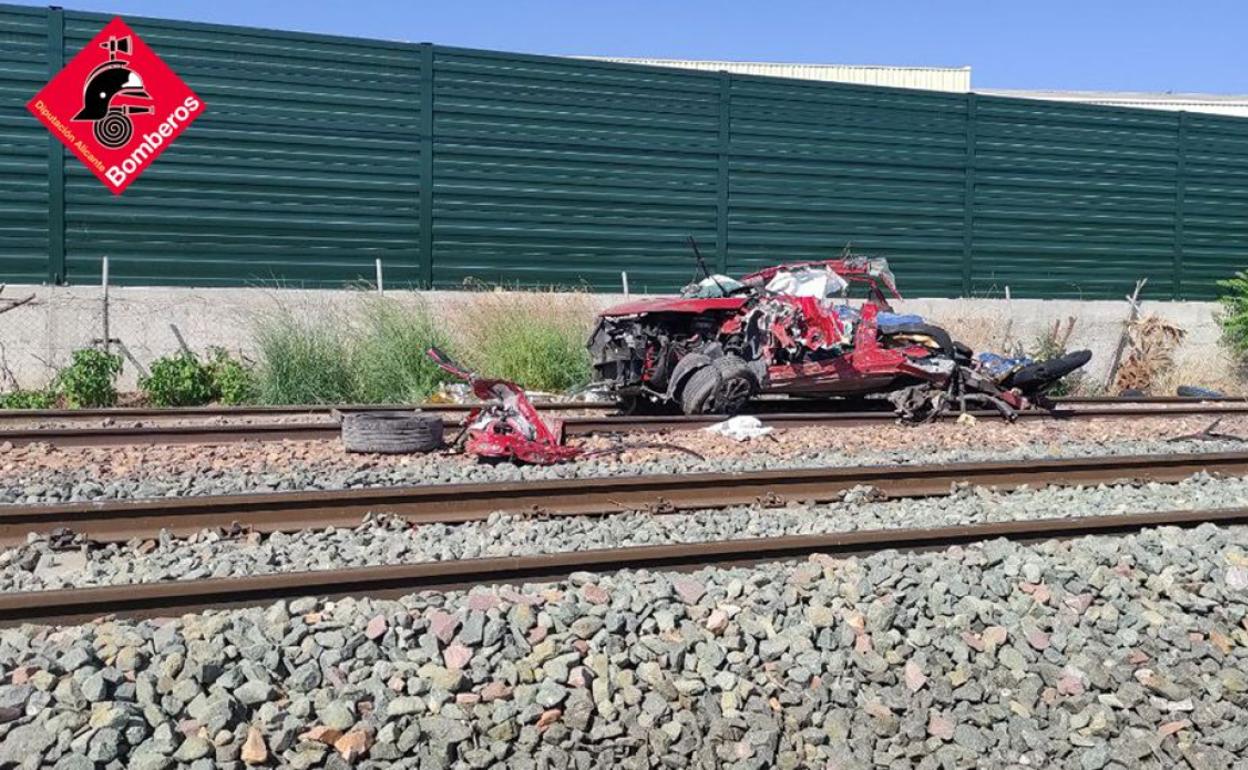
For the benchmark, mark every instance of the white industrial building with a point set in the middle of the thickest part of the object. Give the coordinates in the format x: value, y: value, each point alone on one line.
x: 956, y: 79
x: 953, y: 79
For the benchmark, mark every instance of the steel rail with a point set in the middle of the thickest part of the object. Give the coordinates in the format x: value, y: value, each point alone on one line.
x: 209, y: 434
x: 11, y: 416
x: 178, y: 597
x: 121, y: 520
x: 581, y: 426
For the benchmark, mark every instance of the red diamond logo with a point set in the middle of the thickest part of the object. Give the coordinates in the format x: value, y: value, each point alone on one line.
x: 116, y: 105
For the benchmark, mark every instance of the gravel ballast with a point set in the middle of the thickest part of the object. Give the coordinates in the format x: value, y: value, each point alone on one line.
x: 381, y: 541
x: 1118, y: 653
x: 40, y: 474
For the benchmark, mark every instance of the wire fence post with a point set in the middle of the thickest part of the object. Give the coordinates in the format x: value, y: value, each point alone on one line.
x: 104, y: 284
x: 624, y: 281
x: 381, y: 288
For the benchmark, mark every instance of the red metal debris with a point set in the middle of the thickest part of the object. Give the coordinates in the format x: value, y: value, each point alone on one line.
x: 508, y: 426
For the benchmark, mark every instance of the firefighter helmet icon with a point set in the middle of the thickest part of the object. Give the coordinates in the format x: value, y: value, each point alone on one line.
x: 112, y: 79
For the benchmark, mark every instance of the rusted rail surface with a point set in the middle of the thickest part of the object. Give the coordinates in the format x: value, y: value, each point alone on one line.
x: 572, y: 426
x: 10, y: 417
x: 456, y: 503
x: 176, y: 598
x: 138, y: 413
x: 581, y: 426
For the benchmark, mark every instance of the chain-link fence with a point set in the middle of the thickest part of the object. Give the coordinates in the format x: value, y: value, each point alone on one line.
x: 39, y: 330
x: 39, y: 336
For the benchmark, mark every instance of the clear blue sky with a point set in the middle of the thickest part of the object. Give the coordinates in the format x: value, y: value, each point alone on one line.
x: 1140, y: 45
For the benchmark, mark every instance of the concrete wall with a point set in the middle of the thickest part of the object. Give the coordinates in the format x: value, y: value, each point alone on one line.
x: 37, y: 338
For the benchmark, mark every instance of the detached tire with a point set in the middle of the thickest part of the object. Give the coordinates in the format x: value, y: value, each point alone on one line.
x: 1194, y: 391
x: 934, y: 333
x: 391, y: 432
x: 1039, y: 377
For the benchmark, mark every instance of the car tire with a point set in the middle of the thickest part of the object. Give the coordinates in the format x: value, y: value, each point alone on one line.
x: 1042, y: 375
x: 1195, y: 391
x: 698, y: 389
x: 935, y: 333
x: 737, y: 385
x: 391, y: 432
x: 724, y: 387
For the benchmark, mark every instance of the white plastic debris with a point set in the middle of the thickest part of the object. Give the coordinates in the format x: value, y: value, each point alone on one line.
x: 819, y: 284
x: 743, y: 427
x: 711, y: 287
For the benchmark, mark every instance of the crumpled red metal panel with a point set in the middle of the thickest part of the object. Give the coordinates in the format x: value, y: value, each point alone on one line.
x: 509, y: 427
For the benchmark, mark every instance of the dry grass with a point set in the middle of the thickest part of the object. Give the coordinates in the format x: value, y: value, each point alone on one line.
x: 992, y: 333
x: 1151, y: 345
x: 1216, y: 370
x: 1002, y: 335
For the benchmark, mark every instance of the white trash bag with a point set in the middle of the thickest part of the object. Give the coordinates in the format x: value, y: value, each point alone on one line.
x: 743, y: 427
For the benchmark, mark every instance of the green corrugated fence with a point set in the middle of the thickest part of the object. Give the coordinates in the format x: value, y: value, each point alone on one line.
x: 318, y: 155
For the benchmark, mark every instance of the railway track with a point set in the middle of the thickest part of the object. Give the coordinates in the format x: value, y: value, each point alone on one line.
x: 179, y: 597
x: 325, y: 430
x: 20, y: 417
x: 467, y: 502
x: 122, y: 520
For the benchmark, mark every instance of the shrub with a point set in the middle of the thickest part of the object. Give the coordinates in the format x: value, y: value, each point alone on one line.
x: 532, y: 338
x: 28, y: 399
x: 89, y: 380
x: 1233, y: 317
x: 389, y: 355
x: 232, y: 382
x: 178, y: 380
x: 304, y: 357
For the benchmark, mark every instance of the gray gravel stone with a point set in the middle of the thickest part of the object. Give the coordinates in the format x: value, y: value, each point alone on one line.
x: 962, y: 658
x: 77, y: 484
x: 254, y: 693
x: 381, y: 540
x: 25, y: 742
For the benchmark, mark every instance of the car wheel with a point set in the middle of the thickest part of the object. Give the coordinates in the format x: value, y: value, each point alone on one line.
x: 391, y: 432
x: 724, y: 387
x: 736, y: 385
x: 696, y: 394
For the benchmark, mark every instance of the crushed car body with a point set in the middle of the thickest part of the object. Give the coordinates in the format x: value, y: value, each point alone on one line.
x: 791, y: 329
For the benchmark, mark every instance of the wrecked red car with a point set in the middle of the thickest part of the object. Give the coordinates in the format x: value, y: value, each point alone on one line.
x: 792, y: 329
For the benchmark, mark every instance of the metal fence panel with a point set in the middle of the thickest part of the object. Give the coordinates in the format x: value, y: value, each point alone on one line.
x: 554, y: 171
x: 319, y: 154
x: 1072, y: 200
x: 1215, y: 204
x: 815, y: 167
x: 303, y: 170
x: 24, y: 146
